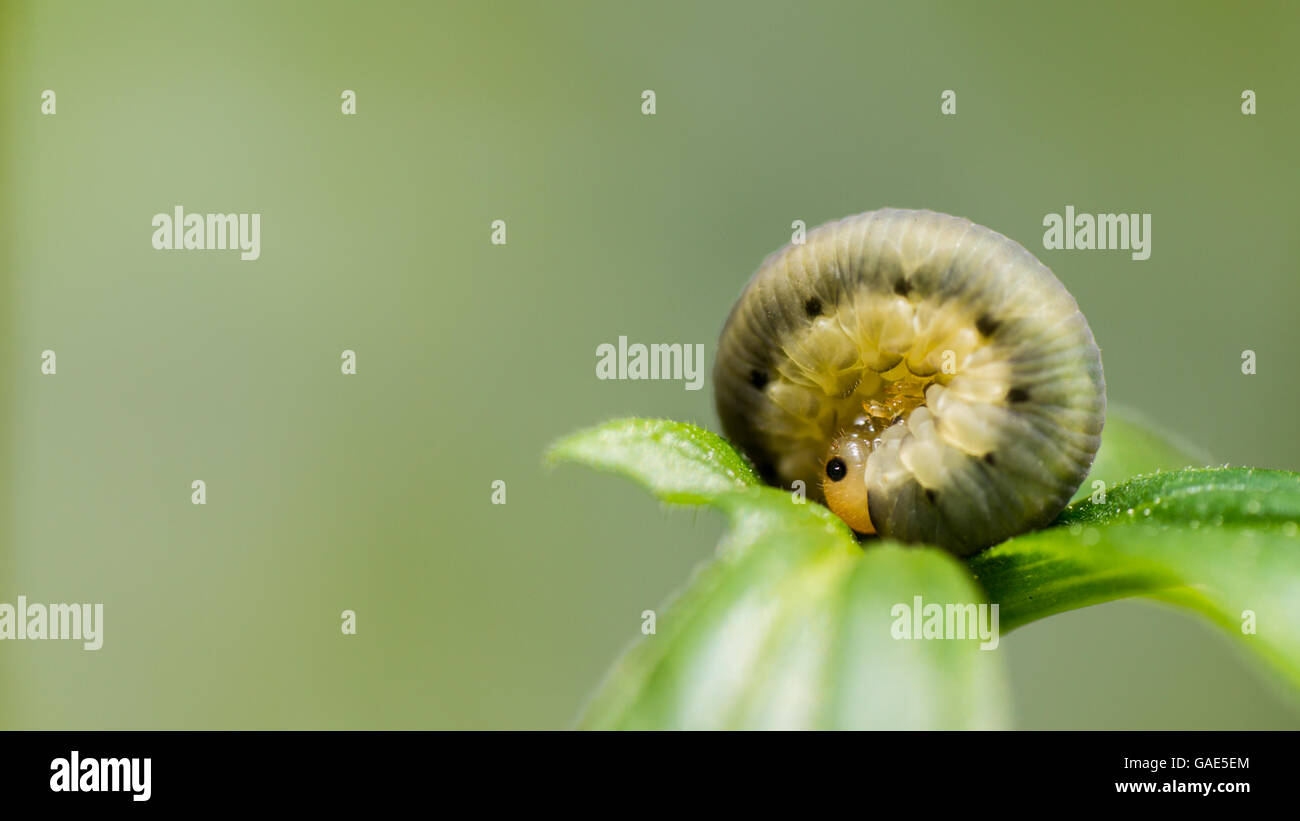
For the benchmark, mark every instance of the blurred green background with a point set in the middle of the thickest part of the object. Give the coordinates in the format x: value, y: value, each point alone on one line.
x: 372, y: 492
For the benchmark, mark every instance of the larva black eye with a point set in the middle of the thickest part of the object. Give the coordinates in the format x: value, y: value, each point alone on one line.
x: 836, y: 469
x: 858, y: 408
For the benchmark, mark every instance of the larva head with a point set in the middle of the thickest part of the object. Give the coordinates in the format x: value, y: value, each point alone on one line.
x: 845, y: 481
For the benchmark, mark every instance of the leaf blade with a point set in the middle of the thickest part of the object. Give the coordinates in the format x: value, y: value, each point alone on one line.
x: 1219, y: 541
x: 788, y: 626
x: 678, y: 462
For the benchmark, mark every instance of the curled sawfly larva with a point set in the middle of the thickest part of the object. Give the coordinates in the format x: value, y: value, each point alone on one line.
x: 925, y: 377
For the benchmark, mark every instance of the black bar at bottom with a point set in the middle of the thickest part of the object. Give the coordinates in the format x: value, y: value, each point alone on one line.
x: 617, y: 771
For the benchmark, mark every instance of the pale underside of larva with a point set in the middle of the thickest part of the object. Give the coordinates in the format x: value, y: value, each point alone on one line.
x: 973, y: 361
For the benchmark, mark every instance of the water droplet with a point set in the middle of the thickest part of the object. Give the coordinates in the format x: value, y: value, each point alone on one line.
x: 1253, y: 506
x: 1146, y: 512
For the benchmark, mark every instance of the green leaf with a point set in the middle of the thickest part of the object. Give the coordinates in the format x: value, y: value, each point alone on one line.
x: 789, y: 626
x: 679, y: 463
x: 1221, y: 541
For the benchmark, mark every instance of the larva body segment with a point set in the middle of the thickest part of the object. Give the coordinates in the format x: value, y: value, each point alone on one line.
x: 954, y: 358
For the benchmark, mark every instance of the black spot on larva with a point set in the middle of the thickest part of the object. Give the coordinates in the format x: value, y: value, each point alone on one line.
x: 758, y: 379
x: 986, y: 325
x: 836, y: 469
x: 813, y: 307
x: 902, y: 287
x: 988, y: 458
x: 1017, y: 395
x: 931, y: 494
